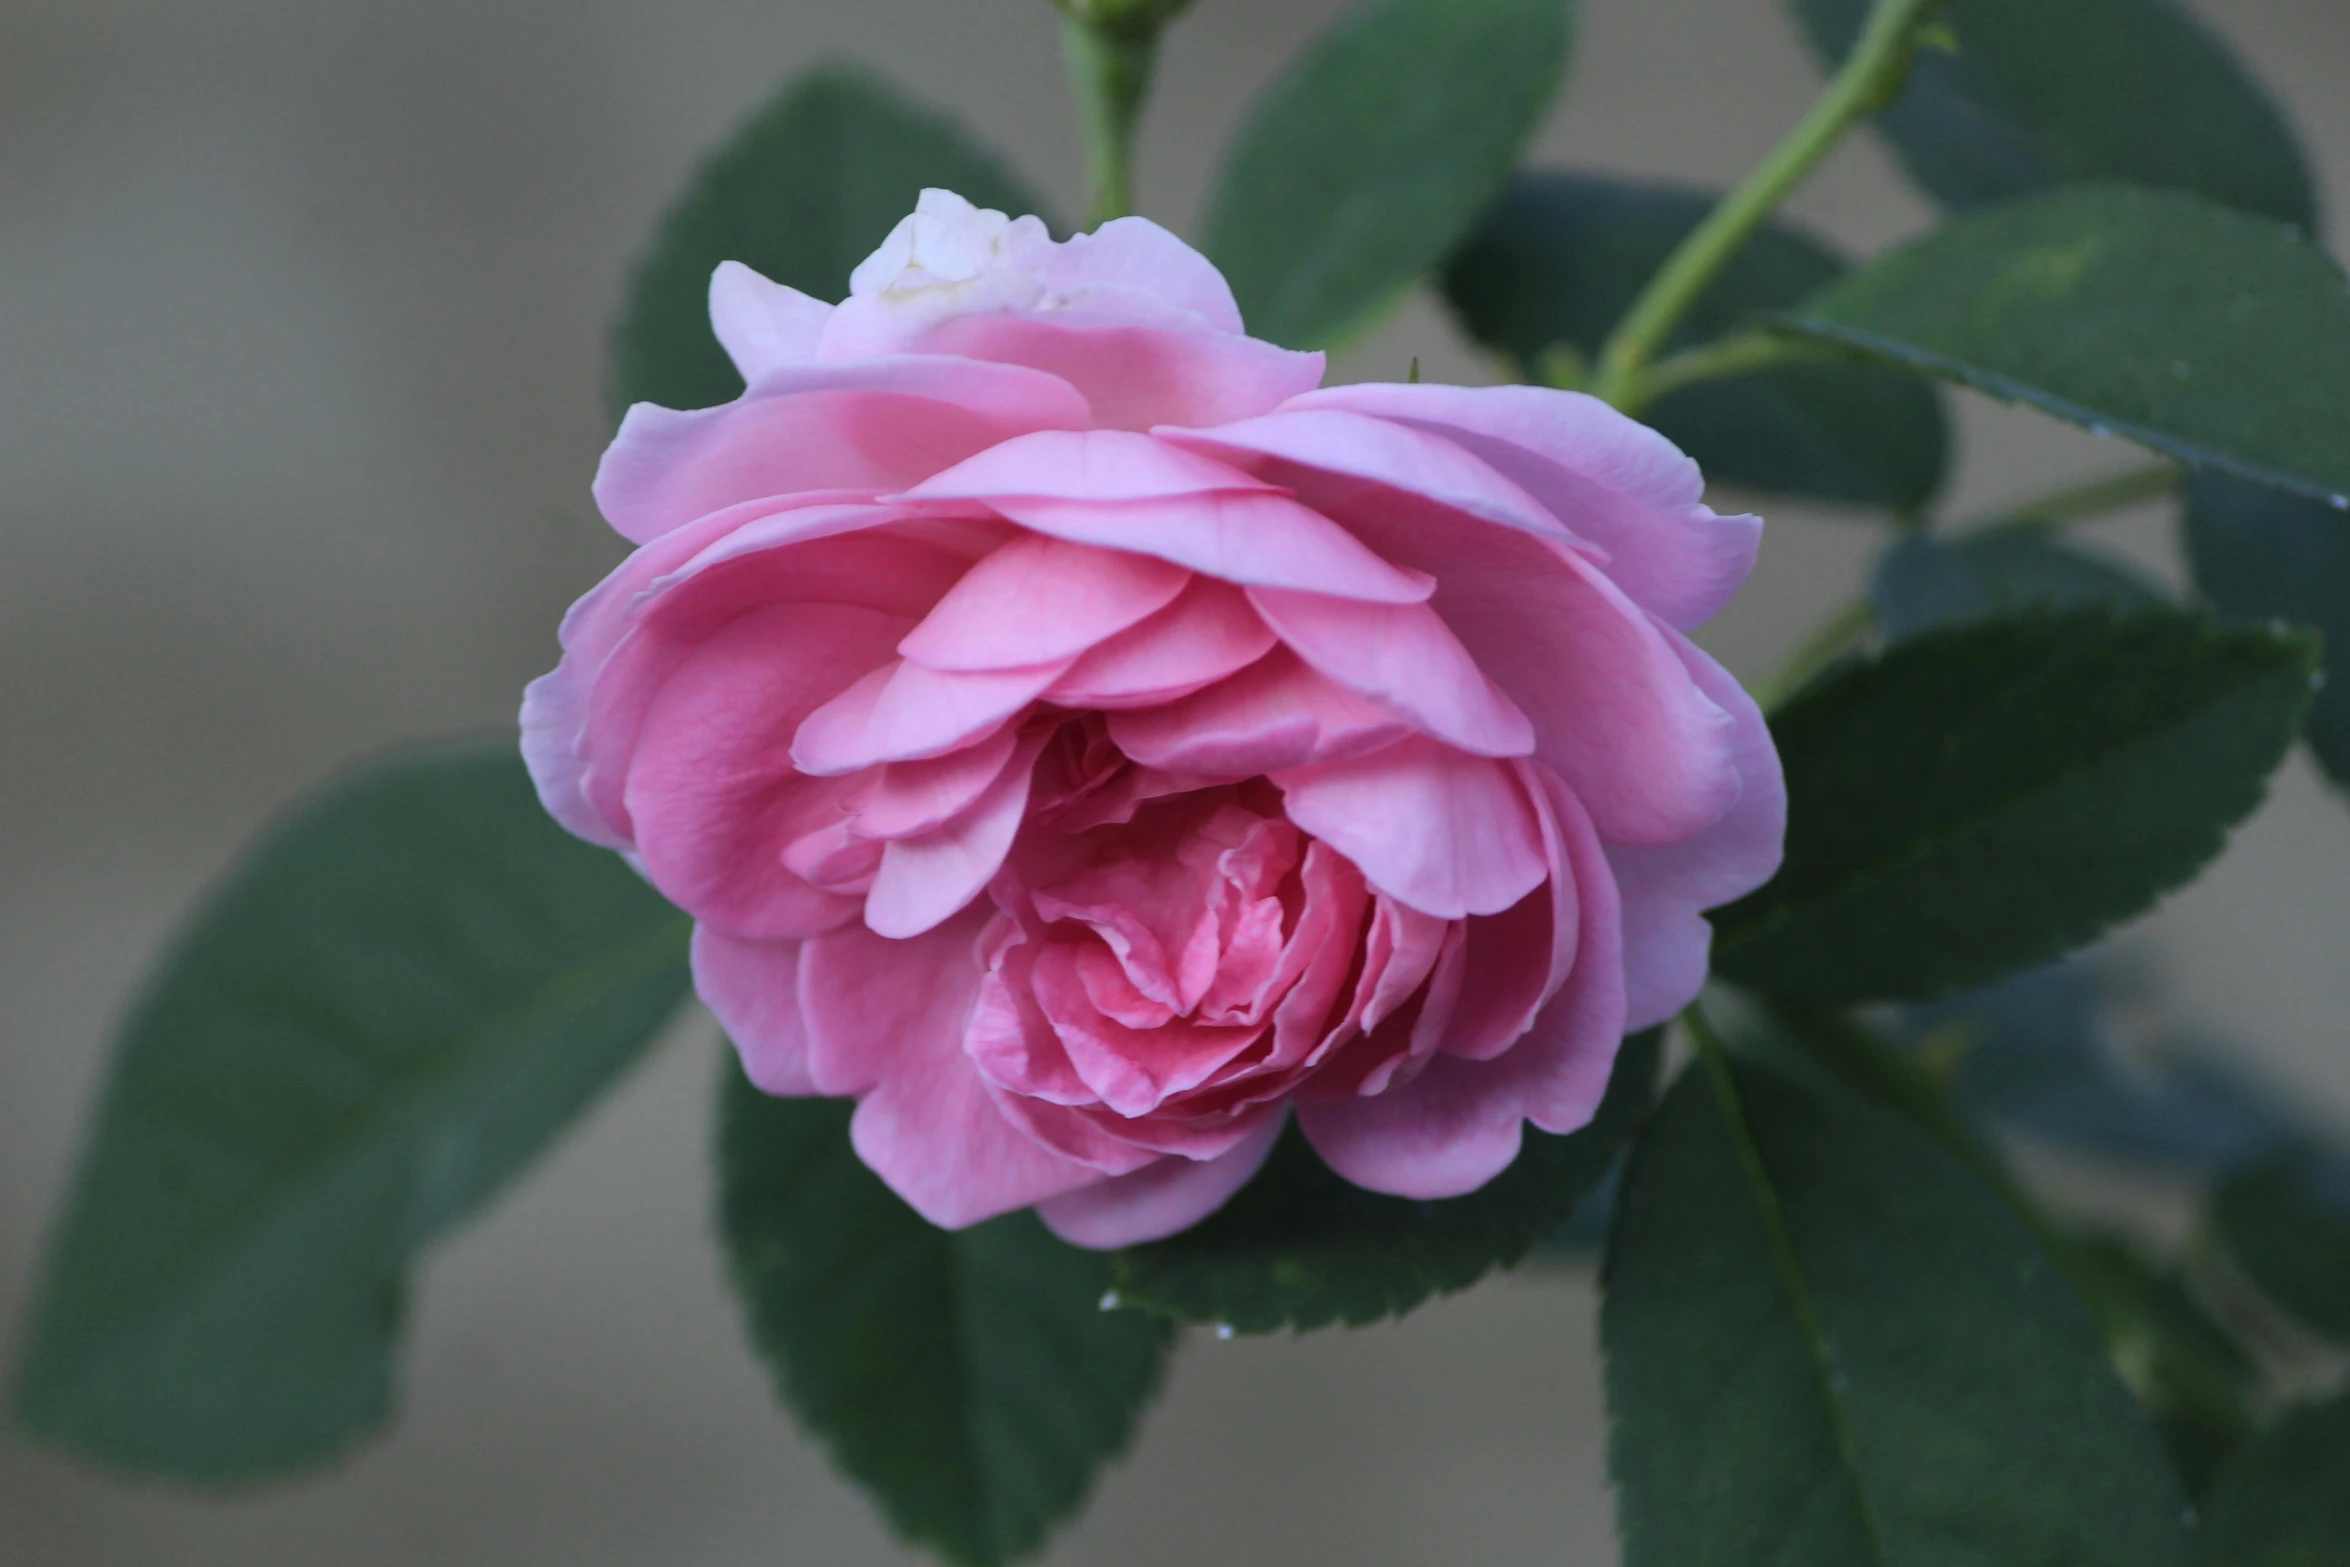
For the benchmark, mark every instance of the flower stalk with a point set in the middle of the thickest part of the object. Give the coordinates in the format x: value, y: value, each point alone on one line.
x: 1110, y: 50
x: 1868, y: 80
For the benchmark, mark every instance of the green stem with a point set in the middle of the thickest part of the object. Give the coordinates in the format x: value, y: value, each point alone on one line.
x: 1740, y: 353
x: 1815, y: 653
x: 2093, y: 499
x: 1110, y: 73
x: 1867, y: 81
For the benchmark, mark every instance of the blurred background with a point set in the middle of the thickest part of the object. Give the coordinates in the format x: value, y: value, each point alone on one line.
x: 302, y: 318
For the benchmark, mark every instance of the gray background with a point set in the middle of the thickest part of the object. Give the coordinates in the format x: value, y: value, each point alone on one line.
x: 301, y: 316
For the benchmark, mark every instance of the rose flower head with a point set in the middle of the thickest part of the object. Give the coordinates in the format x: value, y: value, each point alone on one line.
x: 1087, y: 740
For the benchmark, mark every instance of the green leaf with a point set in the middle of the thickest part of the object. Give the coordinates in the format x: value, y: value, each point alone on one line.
x: 801, y: 194
x: 1923, y: 583
x: 970, y: 1380
x: 1983, y: 798
x: 1561, y: 257
x: 1829, y: 1345
x: 2190, y: 1376
x: 2220, y: 339
x: 2260, y: 554
x: 2285, y: 1500
x: 2286, y: 1221
x: 2039, y: 93
x: 1301, y: 1248
x: 404, y: 993
x: 1364, y: 164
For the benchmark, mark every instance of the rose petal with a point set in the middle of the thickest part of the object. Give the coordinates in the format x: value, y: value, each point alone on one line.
x: 1160, y: 1199
x: 1038, y: 600
x: 1208, y: 633
x: 1135, y: 377
x: 1609, y: 478
x: 1666, y: 886
x: 876, y: 424
x: 1403, y: 658
x: 1275, y: 714
x: 906, y: 799
x: 763, y: 326
x: 1127, y: 491
x: 1449, y: 834
x: 753, y: 989
x: 927, y: 879
x: 905, y: 711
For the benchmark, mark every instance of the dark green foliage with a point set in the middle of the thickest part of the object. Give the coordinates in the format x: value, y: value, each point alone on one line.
x: 403, y: 994
x: 1923, y: 582
x: 2192, y: 1378
x: 1301, y: 1248
x: 1982, y: 798
x: 1561, y: 257
x: 2285, y: 1499
x: 2262, y: 554
x: 801, y: 194
x: 2286, y: 1221
x: 970, y: 1380
x: 2220, y: 339
x: 1829, y: 1344
x: 1366, y: 162
x: 2032, y: 1055
x: 2046, y: 92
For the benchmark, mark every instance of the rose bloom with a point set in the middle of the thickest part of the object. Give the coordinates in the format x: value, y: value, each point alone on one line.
x: 1087, y: 740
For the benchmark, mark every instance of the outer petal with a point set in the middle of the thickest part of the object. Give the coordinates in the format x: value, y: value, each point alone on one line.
x: 1038, y: 600
x: 1386, y: 458
x: 1665, y: 886
x: 709, y: 788
x: 877, y: 424
x: 1611, y: 479
x: 763, y: 326
x: 1135, y: 377
x: 1615, y: 713
x: 1159, y: 1199
x: 1449, y: 834
x: 753, y: 989
x: 1404, y: 659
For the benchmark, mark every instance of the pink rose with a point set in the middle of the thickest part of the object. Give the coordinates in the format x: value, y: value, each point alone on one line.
x: 1084, y: 739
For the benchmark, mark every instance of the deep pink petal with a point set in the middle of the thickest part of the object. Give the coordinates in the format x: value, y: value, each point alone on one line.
x: 904, y: 711
x: 1138, y: 376
x: 1130, y: 1070
x: 1403, y: 658
x: 1038, y: 600
x: 753, y: 989
x: 871, y: 425
x: 763, y: 326
x: 927, y: 879
x: 1274, y: 714
x: 1611, y: 479
x: 1447, y: 833
x: 1208, y: 633
x: 1159, y: 1200
x: 1665, y: 886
